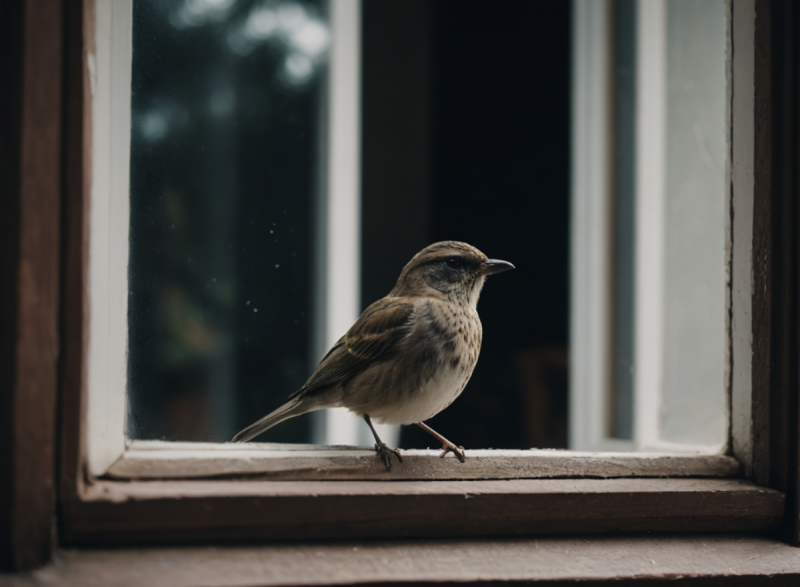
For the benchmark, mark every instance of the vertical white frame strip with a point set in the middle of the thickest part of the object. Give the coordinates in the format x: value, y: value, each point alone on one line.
x: 651, y: 88
x: 110, y: 73
x: 342, y: 251
x: 592, y: 152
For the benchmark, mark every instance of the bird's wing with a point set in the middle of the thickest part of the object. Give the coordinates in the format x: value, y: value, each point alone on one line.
x: 374, y: 337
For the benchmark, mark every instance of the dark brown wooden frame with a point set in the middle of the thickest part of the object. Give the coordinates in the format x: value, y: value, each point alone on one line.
x: 138, y: 511
x: 98, y: 512
x: 776, y: 256
x: 30, y: 192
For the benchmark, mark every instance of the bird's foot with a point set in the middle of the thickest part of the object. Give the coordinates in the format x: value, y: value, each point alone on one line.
x: 386, y: 454
x: 456, y: 450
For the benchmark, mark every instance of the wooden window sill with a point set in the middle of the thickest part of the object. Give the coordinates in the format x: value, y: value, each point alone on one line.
x: 192, y: 493
x: 186, y: 460
x: 598, y: 560
x: 151, y: 512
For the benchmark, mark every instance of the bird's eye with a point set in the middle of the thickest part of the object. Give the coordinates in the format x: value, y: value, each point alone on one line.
x: 455, y: 263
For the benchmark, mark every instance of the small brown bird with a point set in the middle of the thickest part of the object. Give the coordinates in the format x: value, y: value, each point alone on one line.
x: 409, y: 355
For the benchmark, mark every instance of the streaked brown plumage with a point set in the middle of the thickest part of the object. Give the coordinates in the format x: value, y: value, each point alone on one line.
x: 409, y: 355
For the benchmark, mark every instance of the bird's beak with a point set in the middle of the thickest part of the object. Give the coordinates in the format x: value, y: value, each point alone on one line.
x: 492, y: 266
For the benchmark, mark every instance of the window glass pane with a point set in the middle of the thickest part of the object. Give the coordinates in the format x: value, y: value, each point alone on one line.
x: 693, y: 402
x: 228, y: 99
x: 226, y: 102
x: 651, y: 209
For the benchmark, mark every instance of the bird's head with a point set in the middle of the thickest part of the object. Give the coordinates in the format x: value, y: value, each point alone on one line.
x: 449, y: 269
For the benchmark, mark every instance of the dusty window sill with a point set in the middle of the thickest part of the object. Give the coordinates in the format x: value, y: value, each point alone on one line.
x: 161, y: 493
x: 150, y: 460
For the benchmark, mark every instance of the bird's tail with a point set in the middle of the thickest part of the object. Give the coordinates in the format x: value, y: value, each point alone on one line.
x: 294, y: 407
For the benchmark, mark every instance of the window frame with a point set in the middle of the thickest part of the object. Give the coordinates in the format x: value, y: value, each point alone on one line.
x: 336, y: 279
x: 110, y: 454
x: 93, y: 511
x: 31, y: 135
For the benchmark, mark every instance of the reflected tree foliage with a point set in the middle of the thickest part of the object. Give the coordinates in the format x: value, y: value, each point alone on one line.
x: 224, y: 171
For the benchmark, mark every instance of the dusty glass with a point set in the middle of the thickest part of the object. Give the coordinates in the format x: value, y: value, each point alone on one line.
x: 224, y: 158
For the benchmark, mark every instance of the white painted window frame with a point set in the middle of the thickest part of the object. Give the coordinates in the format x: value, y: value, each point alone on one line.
x: 592, y: 210
x: 110, y: 85
x: 591, y: 221
x: 649, y: 267
x: 108, y: 294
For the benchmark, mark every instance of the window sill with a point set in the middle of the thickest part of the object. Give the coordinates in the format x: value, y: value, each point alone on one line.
x: 152, y: 460
x: 152, y: 512
x: 695, y: 559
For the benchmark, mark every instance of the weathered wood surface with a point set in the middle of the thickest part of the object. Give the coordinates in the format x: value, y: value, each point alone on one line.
x: 775, y: 300
x: 157, y: 460
x: 193, y: 511
x: 762, y: 255
x: 30, y: 197
x: 673, y: 560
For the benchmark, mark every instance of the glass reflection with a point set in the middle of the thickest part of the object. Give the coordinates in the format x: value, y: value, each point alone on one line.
x: 225, y: 133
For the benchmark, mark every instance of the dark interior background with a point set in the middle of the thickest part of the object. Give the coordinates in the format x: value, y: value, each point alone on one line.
x: 466, y: 137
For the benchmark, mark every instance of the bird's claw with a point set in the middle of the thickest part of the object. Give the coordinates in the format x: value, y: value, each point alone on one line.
x: 386, y: 455
x: 456, y: 450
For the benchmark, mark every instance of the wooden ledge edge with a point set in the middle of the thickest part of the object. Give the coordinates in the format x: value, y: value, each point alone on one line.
x: 167, y: 490
x: 191, y: 512
x: 354, y: 464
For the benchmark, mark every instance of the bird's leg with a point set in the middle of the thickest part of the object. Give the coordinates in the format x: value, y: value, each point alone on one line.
x: 447, y: 446
x: 380, y: 447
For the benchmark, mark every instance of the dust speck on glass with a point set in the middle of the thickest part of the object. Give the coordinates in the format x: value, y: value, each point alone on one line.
x: 225, y: 141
